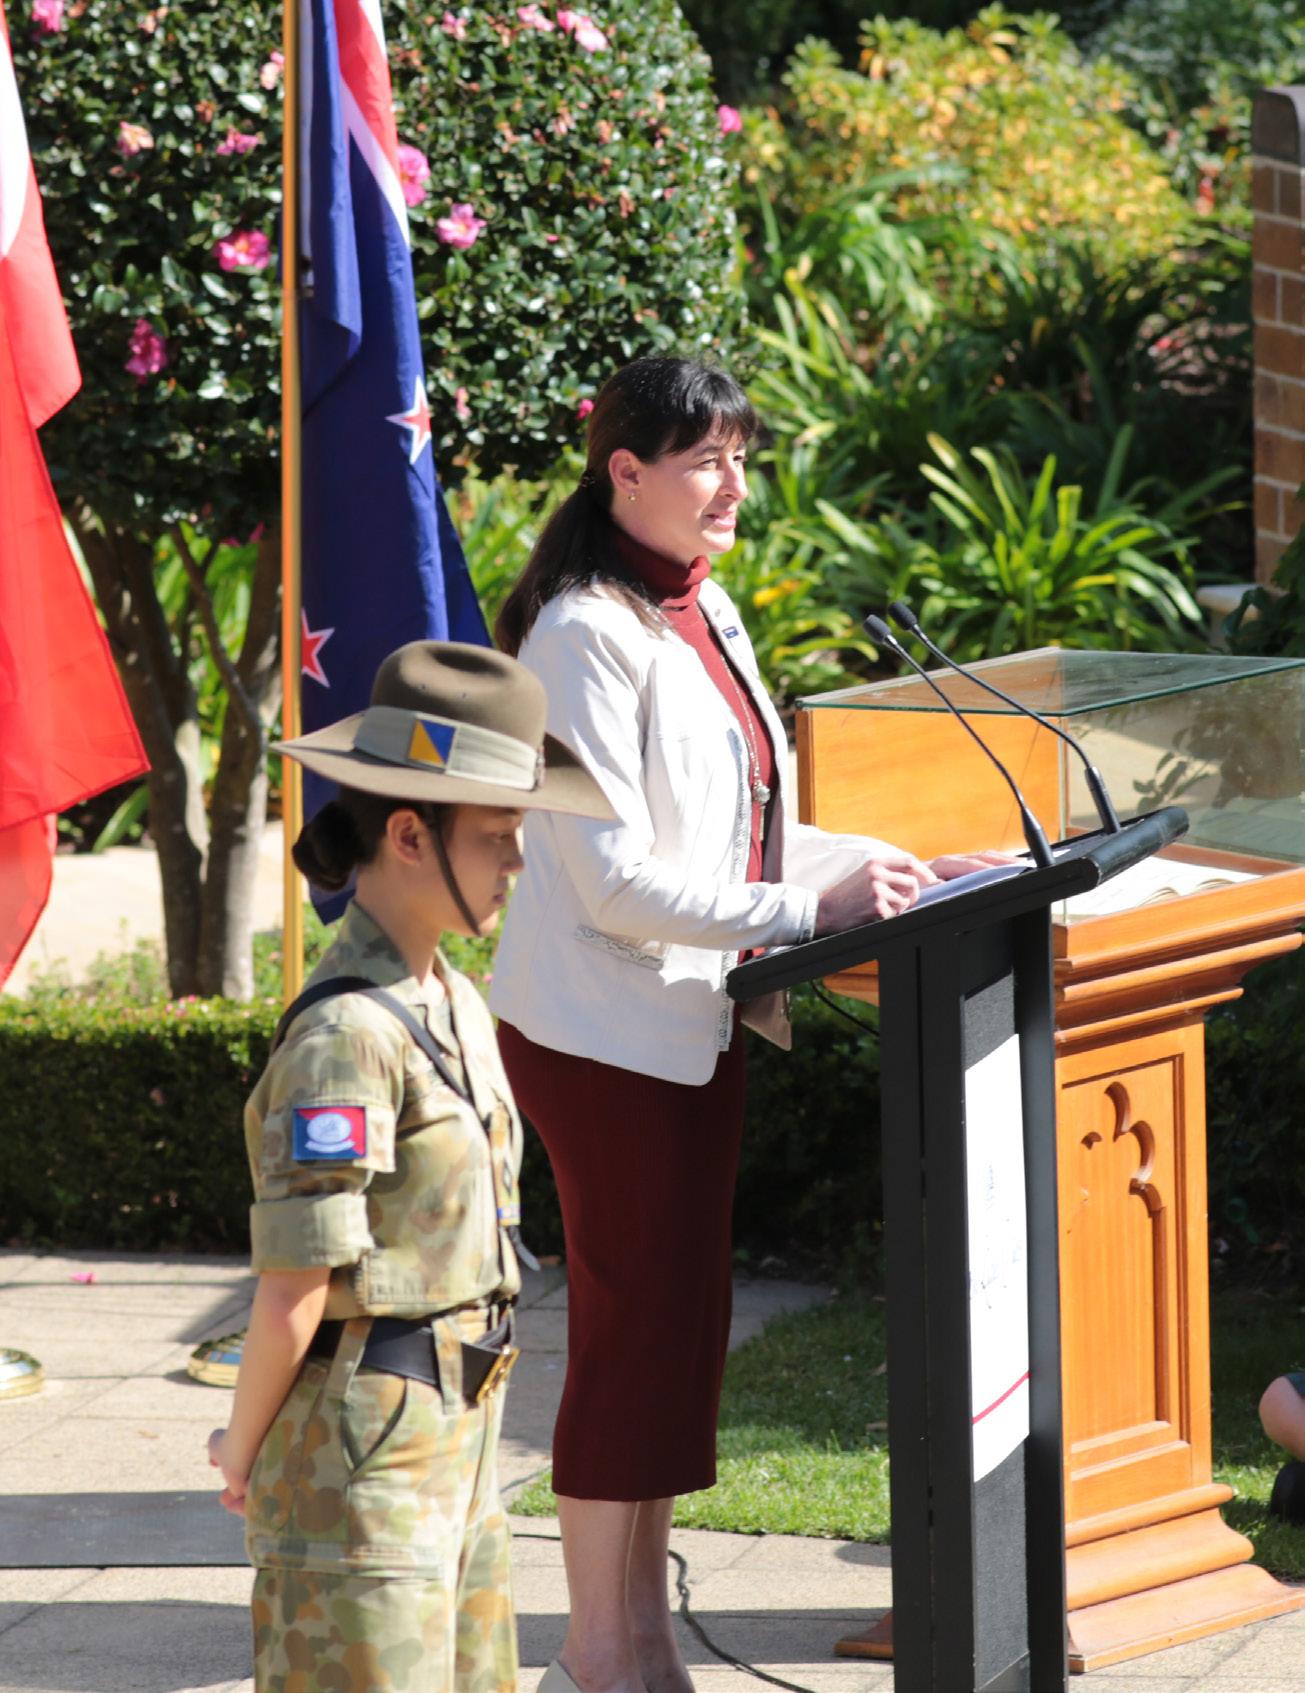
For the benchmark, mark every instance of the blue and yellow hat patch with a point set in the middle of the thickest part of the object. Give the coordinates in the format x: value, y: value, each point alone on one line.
x: 431, y: 743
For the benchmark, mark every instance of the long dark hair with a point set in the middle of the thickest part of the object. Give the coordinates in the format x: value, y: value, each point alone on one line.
x: 652, y: 407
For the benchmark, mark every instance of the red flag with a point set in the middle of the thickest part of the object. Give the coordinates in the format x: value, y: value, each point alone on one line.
x: 66, y: 731
x: 29, y: 290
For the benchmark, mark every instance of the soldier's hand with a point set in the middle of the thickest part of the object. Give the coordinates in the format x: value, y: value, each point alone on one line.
x: 232, y: 1497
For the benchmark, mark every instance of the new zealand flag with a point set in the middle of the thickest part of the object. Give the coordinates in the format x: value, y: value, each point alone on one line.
x: 381, y: 562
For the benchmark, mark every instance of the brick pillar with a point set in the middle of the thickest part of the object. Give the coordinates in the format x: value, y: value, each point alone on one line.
x: 1278, y: 305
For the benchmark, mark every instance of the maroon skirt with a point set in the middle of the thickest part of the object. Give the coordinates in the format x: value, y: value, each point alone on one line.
x: 645, y: 1171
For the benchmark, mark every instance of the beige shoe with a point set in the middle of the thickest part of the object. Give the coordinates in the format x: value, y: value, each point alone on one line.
x: 556, y: 1680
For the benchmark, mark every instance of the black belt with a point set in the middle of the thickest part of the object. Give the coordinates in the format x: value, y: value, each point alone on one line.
x: 404, y: 1346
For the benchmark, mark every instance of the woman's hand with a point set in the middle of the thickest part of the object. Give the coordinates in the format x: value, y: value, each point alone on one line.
x: 236, y: 1479
x: 880, y: 888
x: 947, y: 868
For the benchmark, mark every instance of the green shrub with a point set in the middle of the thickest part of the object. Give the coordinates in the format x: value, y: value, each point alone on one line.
x: 602, y: 176
x: 1182, y: 49
x: 124, y: 1123
x: 749, y: 41
x: 869, y: 410
x: 123, y: 1129
x: 1256, y: 1117
x: 1043, y: 156
x: 1026, y: 563
x: 1271, y: 620
x: 1195, y: 66
x: 809, y: 1178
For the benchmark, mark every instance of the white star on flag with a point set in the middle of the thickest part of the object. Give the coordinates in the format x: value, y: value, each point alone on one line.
x: 417, y: 419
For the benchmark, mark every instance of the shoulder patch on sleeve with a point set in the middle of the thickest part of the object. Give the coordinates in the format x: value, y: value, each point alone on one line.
x: 334, y: 1133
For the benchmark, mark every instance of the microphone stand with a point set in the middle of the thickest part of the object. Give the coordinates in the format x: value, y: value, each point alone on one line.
x: 905, y: 619
x: 882, y: 636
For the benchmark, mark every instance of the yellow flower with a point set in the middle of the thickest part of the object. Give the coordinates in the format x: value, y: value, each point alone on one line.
x: 778, y: 591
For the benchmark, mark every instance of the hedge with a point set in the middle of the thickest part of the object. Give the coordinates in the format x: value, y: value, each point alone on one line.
x: 122, y: 1129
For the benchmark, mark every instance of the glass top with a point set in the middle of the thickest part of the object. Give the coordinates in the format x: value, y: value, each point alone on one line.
x: 1057, y: 682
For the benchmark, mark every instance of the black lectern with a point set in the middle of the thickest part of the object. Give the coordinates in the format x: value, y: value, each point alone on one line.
x: 969, y: 1163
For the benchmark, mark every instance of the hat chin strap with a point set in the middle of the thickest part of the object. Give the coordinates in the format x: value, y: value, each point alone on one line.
x: 451, y: 881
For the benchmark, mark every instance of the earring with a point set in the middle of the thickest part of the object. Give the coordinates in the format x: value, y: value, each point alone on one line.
x: 630, y: 497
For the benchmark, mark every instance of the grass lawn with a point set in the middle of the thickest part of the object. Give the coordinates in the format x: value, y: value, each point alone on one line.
x: 804, y: 1440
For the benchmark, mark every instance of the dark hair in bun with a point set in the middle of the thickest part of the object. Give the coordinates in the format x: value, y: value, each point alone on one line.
x: 347, y: 832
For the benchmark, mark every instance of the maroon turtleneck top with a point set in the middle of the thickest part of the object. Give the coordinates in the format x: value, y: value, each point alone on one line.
x: 675, y: 588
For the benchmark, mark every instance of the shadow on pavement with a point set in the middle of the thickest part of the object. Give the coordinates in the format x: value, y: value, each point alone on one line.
x: 157, y: 1646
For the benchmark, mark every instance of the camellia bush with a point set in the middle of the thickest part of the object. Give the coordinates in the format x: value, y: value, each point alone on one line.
x: 595, y: 167
x: 568, y: 177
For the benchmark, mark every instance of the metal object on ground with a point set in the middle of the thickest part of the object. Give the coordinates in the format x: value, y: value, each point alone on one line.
x: 20, y: 1374
x: 217, y: 1362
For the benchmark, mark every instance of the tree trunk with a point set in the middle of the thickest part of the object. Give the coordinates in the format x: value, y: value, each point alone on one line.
x: 163, y: 703
x: 239, y: 801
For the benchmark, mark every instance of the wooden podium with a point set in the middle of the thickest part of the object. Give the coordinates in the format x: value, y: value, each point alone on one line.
x: 1150, y: 1562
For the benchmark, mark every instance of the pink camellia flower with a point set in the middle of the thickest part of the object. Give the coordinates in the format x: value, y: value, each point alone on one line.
x: 583, y: 409
x: 270, y: 74
x: 133, y: 138
x: 414, y: 174
x: 460, y: 405
x: 461, y: 228
x: 237, y: 141
x: 586, y: 32
x: 48, y: 15
x: 148, y: 351
x: 454, y: 25
x: 533, y: 18
x: 247, y: 249
x: 730, y: 119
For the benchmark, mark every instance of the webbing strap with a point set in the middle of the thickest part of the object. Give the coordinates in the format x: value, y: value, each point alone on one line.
x: 424, y: 1039
x: 359, y: 984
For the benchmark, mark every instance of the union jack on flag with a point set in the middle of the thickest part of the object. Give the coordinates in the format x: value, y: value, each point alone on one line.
x: 381, y: 562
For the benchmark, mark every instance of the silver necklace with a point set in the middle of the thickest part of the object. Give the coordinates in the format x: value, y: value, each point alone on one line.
x: 760, y: 792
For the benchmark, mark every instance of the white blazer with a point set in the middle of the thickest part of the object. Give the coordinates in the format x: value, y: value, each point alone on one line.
x: 619, y: 935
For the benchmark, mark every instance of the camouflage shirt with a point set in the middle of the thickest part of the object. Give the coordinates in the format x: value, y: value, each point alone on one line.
x: 365, y: 1160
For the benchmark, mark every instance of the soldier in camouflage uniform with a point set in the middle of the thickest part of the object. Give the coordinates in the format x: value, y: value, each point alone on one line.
x: 362, y: 1447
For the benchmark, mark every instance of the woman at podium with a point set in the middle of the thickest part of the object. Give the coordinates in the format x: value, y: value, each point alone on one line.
x: 620, y: 1043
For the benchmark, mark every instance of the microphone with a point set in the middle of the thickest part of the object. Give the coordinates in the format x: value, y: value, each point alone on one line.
x: 882, y: 636
x: 905, y: 618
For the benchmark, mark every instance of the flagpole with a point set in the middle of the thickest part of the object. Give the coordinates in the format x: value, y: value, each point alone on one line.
x: 217, y: 1362
x: 292, y: 804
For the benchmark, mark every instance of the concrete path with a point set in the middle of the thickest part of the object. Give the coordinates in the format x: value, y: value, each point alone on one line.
x: 120, y: 1415
x: 105, y: 902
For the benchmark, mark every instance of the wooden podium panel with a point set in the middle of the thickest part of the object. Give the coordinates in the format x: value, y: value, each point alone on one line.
x: 1131, y: 1206
x: 1150, y: 1561
x: 883, y: 768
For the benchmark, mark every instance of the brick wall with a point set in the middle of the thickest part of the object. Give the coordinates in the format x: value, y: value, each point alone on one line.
x: 1278, y: 303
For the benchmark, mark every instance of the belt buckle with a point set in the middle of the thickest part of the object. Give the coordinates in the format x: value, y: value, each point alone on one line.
x: 498, y: 1372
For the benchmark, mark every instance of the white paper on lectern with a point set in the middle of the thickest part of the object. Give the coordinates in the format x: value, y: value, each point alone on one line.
x: 998, y: 1243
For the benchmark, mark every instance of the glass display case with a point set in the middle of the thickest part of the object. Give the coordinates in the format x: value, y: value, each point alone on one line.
x: 1223, y: 737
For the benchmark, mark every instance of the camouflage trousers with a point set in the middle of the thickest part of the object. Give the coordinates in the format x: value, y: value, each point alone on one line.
x: 381, y: 1546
